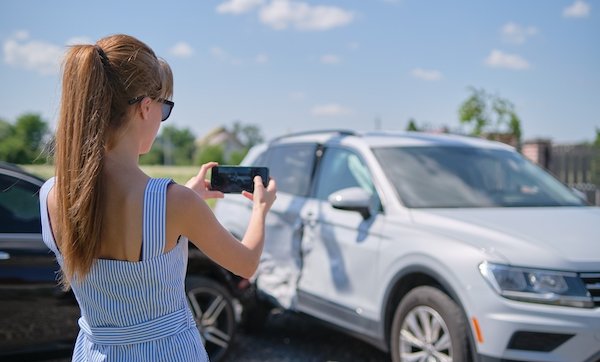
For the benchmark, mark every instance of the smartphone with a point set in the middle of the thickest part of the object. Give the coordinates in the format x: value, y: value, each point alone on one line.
x: 235, y: 179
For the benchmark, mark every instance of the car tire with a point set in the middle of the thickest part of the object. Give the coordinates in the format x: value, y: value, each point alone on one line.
x: 213, y: 310
x: 428, y: 323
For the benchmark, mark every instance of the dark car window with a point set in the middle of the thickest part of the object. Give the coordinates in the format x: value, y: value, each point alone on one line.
x: 291, y: 166
x: 19, y: 206
x: 340, y: 169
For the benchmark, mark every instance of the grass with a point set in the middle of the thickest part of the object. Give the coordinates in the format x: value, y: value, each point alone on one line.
x: 180, y: 174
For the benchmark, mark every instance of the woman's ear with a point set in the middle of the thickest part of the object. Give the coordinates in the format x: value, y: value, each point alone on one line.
x: 144, y: 108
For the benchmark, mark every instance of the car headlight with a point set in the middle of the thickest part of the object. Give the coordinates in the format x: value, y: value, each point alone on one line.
x: 537, y: 285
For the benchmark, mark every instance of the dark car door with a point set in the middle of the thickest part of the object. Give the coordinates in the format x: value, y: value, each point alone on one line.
x: 35, y: 315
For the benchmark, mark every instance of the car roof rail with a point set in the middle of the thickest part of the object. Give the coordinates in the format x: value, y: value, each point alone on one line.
x: 10, y: 166
x: 340, y: 132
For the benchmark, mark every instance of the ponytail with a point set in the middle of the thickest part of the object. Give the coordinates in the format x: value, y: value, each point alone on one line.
x: 85, y: 114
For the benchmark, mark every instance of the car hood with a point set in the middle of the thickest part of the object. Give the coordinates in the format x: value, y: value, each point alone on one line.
x: 546, y: 237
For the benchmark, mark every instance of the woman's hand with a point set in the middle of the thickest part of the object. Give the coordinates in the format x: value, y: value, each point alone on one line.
x: 262, y: 197
x: 201, y: 186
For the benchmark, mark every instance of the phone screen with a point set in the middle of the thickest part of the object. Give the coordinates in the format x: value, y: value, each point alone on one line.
x: 235, y: 179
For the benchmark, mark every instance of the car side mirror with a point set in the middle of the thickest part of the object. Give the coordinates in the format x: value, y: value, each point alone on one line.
x: 352, y: 199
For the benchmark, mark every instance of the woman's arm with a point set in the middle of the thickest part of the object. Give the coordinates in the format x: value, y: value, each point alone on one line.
x: 194, y: 218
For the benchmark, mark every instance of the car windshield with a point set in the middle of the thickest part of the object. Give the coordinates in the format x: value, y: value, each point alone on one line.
x: 447, y: 177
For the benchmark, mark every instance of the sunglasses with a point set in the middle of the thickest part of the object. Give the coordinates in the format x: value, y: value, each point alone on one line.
x: 167, y: 106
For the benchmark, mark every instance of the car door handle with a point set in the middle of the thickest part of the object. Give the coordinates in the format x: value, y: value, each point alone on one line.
x: 4, y: 255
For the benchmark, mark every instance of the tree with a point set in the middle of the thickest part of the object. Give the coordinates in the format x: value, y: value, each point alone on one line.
x: 490, y: 115
x: 210, y: 153
x: 595, y: 169
x: 248, y: 134
x: 156, y: 155
x: 173, y: 146
x: 236, y: 157
x: 178, y: 145
x: 24, y: 141
x: 412, y: 125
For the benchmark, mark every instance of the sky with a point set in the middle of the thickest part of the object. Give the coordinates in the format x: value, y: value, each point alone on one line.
x: 296, y: 65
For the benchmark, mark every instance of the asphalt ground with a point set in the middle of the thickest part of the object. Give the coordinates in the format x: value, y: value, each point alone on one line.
x: 290, y: 337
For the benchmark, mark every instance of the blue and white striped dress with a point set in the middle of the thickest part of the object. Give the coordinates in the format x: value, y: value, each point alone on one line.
x: 135, y: 311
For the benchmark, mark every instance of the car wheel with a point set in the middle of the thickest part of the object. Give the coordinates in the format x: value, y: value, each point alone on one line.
x: 429, y: 326
x: 213, y: 310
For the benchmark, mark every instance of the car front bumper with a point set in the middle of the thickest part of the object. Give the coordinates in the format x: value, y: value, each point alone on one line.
x: 521, y: 331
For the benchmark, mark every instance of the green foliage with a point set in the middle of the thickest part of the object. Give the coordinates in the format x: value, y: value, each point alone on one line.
x: 6, y: 129
x: 173, y: 146
x: 23, y: 142
x: 474, y: 111
x: 156, y: 156
x: 178, y: 145
x: 412, y: 125
x: 248, y: 134
x: 488, y: 113
x: 210, y: 153
x: 236, y: 157
x: 595, y: 164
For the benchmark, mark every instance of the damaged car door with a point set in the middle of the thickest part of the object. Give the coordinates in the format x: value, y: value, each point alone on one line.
x: 343, y: 222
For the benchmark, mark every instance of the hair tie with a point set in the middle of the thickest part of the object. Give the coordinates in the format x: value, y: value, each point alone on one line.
x: 103, y: 56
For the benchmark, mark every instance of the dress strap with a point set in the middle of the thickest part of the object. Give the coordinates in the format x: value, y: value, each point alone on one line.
x: 154, y: 222
x: 47, y: 235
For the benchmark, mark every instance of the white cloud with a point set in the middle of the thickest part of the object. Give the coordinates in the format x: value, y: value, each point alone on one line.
x: 330, y: 59
x: 21, y: 35
x: 261, y: 58
x: 238, y: 6
x: 517, y: 34
x: 39, y: 56
x: 182, y: 50
x: 426, y: 74
x: 217, y: 52
x: 579, y: 9
x: 281, y: 14
x: 330, y: 110
x: 221, y: 55
x: 499, y: 59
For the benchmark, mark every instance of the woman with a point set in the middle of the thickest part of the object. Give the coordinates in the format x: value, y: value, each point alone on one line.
x: 121, y: 237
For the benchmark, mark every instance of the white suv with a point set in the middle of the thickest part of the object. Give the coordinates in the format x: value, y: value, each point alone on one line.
x: 431, y: 247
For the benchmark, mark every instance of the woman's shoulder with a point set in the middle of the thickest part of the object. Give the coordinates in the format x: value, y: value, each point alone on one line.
x: 182, y: 196
x: 184, y: 205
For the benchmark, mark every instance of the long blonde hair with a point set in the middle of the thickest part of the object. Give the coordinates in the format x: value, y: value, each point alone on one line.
x: 98, y: 81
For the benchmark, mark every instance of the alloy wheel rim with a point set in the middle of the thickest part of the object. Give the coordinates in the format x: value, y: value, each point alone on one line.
x: 212, y: 319
x: 425, y: 337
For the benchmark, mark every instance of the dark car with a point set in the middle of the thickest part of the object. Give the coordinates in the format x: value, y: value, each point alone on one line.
x: 38, y: 320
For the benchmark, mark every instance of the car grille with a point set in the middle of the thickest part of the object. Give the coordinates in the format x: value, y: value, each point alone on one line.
x: 592, y: 283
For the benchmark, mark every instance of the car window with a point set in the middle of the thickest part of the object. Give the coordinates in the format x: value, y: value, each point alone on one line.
x: 261, y: 160
x: 339, y: 169
x: 19, y: 206
x: 470, y: 177
x: 291, y: 166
